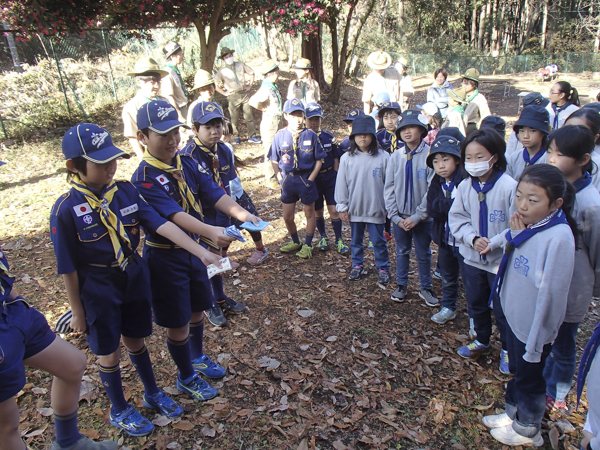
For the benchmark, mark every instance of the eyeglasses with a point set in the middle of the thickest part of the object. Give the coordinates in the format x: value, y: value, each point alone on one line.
x: 555, y: 93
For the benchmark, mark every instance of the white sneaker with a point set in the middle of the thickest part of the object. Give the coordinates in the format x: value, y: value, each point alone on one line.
x: 497, y: 420
x: 508, y: 436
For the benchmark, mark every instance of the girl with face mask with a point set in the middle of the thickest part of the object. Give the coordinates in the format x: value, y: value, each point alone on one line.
x: 304, y: 87
x: 480, y: 213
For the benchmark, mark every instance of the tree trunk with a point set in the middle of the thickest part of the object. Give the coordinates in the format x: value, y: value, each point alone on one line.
x: 311, y: 49
x: 544, y: 25
x: 400, y: 14
x: 291, y: 52
x: 382, y: 20
x: 263, y: 30
x: 14, y: 53
x: 474, y: 25
x: 494, y: 38
x: 481, y: 28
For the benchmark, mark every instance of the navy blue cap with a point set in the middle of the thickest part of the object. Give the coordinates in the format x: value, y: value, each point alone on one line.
x: 534, y: 116
x: 443, y: 144
x: 314, y: 110
x: 390, y: 106
x: 353, y: 114
x: 453, y: 132
x: 364, y: 125
x: 594, y: 106
x: 91, y: 142
x: 495, y: 122
x: 535, y: 98
x: 415, y: 118
x: 293, y: 105
x: 204, y: 112
x: 159, y: 116
x: 2, y: 163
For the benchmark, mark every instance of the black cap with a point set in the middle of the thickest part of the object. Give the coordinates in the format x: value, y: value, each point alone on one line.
x: 534, y: 116
x: 535, y: 98
x: 453, y: 132
x: 364, y: 125
x: 495, y: 122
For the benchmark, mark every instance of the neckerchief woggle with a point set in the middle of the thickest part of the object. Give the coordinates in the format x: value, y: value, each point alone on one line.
x: 586, y: 360
x: 557, y: 110
x: 215, y: 160
x: 188, y: 201
x: 176, y: 70
x: 582, y: 182
x: 556, y: 218
x: 531, y: 161
x: 116, y: 230
x: 409, y: 188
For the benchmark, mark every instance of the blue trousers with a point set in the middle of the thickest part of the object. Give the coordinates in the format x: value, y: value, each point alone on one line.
x: 421, y: 234
x: 560, y: 365
x: 375, y: 230
x: 451, y: 265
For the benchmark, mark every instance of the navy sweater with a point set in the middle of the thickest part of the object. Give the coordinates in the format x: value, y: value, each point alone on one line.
x: 438, y: 207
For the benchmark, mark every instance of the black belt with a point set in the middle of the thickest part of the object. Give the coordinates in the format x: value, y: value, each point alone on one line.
x: 123, y: 265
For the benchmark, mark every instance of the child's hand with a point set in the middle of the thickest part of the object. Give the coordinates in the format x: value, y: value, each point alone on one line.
x: 78, y: 322
x: 408, y: 224
x: 401, y: 224
x: 516, y: 223
x: 587, y: 437
x: 209, y: 258
x: 252, y: 218
x: 345, y: 217
x: 218, y: 236
x: 481, y: 245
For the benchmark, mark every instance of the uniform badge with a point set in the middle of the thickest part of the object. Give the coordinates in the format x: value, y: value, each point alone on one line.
x: 87, y: 219
x: 285, y: 158
x: 82, y: 209
x: 129, y: 210
x: 202, y: 170
x: 162, y: 179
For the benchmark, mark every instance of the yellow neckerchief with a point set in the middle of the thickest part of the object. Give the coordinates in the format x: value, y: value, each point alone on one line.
x: 215, y: 158
x: 4, y: 270
x: 187, y: 197
x: 116, y: 230
x: 393, y: 141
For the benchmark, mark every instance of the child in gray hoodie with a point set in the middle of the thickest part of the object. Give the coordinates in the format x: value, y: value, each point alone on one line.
x: 359, y: 196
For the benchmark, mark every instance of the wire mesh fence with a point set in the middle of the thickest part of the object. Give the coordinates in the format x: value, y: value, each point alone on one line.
x: 77, y: 77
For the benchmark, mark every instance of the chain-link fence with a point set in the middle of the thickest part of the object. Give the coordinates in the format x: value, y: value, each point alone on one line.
x: 81, y: 76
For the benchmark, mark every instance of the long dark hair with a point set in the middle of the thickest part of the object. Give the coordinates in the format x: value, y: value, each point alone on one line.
x: 491, y: 140
x: 591, y: 118
x: 571, y: 94
x: 552, y: 180
x: 373, y: 146
x: 574, y: 141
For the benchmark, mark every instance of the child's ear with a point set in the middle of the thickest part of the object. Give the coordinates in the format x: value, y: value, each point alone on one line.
x: 557, y: 204
x: 585, y: 159
x: 194, y: 129
x: 142, y: 138
x: 71, y: 166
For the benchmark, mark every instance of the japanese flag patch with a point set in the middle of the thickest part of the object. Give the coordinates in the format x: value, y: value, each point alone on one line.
x: 162, y: 179
x: 82, y: 209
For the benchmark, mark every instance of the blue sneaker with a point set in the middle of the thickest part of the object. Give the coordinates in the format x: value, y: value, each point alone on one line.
x: 131, y: 421
x: 474, y: 350
x: 164, y: 404
x: 323, y: 243
x: 254, y: 140
x: 504, y: 362
x: 209, y: 368
x: 197, y: 388
x: 341, y: 247
x: 370, y: 245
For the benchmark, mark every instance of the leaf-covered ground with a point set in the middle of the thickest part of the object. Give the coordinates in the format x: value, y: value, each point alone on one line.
x: 318, y: 362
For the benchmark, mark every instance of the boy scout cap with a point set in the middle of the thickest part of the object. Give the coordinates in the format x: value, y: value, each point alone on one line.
x: 202, y: 79
x: 471, y: 74
x: 293, y: 105
x: 302, y: 63
x: 158, y: 116
x: 146, y: 66
x: 459, y: 94
x: 91, y: 142
x: 268, y: 66
x: 206, y: 111
x: 353, y: 114
x: 314, y: 110
x: 225, y: 51
x: 170, y: 48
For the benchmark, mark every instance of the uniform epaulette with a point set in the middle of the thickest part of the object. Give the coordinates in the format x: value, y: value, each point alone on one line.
x: 188, y: 149
x: 59, y: 202
x: 328, y: 132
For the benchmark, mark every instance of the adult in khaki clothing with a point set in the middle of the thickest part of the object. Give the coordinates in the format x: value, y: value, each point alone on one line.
x: 148, y: 77
x: 173, y: 86
x: 384, y: 78
x: 231, y: 82
x: 268, y: 100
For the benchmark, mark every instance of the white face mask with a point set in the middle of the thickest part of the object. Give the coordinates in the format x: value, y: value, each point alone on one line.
x: 479, y: 168
x: 229, y: 61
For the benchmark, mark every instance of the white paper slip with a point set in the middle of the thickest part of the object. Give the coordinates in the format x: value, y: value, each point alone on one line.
x: 214, y: 270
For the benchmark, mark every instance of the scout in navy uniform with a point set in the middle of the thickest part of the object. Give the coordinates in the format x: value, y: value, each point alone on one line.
x: 326, y: 180
x: 352, y: 114
x: 207, y: 154
x: 388, y: 122
x: 26, y: 340
x: 95, y: 229
x: 181, y: 290
x: 532, y: 130
x: 297, y: 157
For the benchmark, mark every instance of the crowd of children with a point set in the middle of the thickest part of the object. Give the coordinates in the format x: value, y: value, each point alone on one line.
x: 517, y: 228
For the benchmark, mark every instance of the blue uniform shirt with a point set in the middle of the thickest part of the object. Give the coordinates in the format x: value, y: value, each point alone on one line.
x: 345, y: 145
x: 6, y: 280
x: 330, y: 148
x: 161, y: 191
x: 308, y: 151
x: 385, y: 139
x: 205, y: 159
x: 79, y: 236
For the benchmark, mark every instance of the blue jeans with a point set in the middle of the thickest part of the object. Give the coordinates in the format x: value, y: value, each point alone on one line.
x: 478, y: 287
x: 525, y: 396
x: 560, y: 365
x: 451, y: 264
x: 404, y: 239
x: 382, y: 259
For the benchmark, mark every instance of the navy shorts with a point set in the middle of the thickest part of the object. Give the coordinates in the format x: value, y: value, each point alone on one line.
x: 297, y: 186
x: 180, y: 286
x: 24, y: 333
x: 216, y: 218
x: 326, y: 189
x: 116, y: 303
x: 245, y: 202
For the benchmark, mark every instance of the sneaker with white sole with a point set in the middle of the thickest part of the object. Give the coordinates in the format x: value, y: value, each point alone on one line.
x: 208, y: 368
x: 131, y: 422
x: 215, y: 316
x: 503, y: 368
x: 497, y: 420
x: 356, y: 273
x: 474, y: 350
x: 341, y: 247
x: 258, y: 256
x: 399, y: 294
x: 437, y: 275
x: 165, y: 405
x: 384, y: 277
x: 508, y: 436
x: 430, y: 298
x: 323, y: 244
x: 444, y: 315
